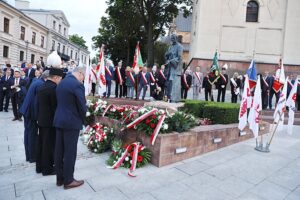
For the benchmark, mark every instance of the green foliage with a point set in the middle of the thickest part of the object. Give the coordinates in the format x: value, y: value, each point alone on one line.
x: 78, y: 40
x: 160, y: 49
x: 181, y: 122
x: 219, y: 113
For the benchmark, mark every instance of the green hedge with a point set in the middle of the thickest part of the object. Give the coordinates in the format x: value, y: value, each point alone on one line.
x: 219, y: 113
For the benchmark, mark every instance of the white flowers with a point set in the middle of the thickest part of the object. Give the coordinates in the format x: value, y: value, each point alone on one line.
x: 88, y: 114
x: 165, y: 126
x: 113, y: 110
x: 127, y: 158
x: 161, y: 112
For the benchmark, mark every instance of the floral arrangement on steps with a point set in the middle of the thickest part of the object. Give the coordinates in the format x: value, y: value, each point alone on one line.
x: 95, y: 108
x: 98, y: 137
x: 131, y: 156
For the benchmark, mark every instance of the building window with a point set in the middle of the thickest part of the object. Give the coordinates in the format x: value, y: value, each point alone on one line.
x: 65, y: 31
x: 64, y: 48
x: 71, y: 54
x: 6, y: 25
x: 22, y: 36
x: 252, y: 11
x: 81, y: 58
x: 42, y: 41
x: 59, y: 28
x: 21, y: 56
x: 54, y: 25
x: 32, y: 58
x: 5, y: 51
x: 85, y: 59
x: 76, y: 56
x: 53, y: 45
x: 58, y: 47
x: 33, y: 37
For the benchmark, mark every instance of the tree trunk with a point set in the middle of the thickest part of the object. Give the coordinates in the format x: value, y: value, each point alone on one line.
x: 150, y: 44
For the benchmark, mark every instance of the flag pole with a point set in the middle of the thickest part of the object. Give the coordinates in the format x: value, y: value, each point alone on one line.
x: 269, y: 143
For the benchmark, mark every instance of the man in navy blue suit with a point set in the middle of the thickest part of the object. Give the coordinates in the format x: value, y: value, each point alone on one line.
x: 5, y: 90
x: 29, y: 73
x: 68, y: 120
x: 18, y: 92
x: 109, y: 74
x: 144, y: 83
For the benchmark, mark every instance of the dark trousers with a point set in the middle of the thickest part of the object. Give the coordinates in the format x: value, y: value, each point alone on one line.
x: 144, y: 88
x: 264, y: 99
x: 233, y: 98
x: 208, y: 92
x: 117, y: 90
x: 124, y: 94
x: 221, y: 92
x: 108, y: 89
x: 93, y: 88
x: 65, y: 154
x: 16, y: 104
x: 184, y: 92
x: 4, y: 95
x: 152, y: 90
x: 277, y: 95
x: 30, y: 138
x: 45, y: 150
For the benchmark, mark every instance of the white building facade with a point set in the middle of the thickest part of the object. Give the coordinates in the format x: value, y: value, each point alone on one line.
x: 243, y: 29
x: 50, y: 28
x: 21, y: 38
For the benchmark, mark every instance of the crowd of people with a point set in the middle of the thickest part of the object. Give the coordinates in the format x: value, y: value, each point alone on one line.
x: 53, y: 107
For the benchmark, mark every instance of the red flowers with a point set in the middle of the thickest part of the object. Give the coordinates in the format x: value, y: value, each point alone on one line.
x: 153, y: 116
x: 152, y: 126
x: 147, y: 121
x: 140, y: 159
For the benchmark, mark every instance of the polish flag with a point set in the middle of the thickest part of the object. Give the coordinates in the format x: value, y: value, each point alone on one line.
x: 101, y: 72
x: 244, y: 105
x: 291, y: 104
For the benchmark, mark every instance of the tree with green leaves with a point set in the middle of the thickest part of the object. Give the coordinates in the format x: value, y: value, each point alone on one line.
x: 157, y: 16
x: 78, y: 40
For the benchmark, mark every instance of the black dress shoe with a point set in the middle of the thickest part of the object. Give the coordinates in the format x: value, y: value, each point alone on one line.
x: 14, y: 119
x: 6, y: 110
x: 59, y: 183
x: 20, y: 119
x: 49, y: 173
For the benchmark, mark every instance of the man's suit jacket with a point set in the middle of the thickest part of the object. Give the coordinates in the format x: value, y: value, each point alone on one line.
x: 141, y: 79
x: 71, y: 104
x: 22, y: 93
x: 5, y: 83
x: 31, y: 75
x: 29, y: 107
x: 46, y: 100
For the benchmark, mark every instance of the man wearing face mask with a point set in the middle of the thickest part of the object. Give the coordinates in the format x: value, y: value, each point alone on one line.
x: 68, y: 120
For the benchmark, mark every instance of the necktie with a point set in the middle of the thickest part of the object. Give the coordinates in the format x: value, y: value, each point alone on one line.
x: 6, y: 78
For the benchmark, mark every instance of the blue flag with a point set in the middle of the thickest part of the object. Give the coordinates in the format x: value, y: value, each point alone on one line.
x: 251, y: 72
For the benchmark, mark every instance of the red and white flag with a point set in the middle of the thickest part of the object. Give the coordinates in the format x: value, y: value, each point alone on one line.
x: 256, y: 107
x: 244, y: 105
x: 137, y: 60
x: 291, y: 104
x: 280, y: 107
x: 88, y: 80
x: 101, y: 72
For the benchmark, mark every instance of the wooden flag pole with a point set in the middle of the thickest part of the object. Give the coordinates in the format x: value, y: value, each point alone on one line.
x: 269, y: 143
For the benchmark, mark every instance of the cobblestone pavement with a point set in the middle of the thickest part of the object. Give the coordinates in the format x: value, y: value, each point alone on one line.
x: 235, y: 172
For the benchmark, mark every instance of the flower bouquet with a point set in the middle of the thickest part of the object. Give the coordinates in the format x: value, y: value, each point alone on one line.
x: 100, y: 138
x: 131, y: 156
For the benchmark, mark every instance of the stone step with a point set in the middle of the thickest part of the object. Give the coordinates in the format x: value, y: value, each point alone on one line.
x: 271, y: 113
x: 270, y: 119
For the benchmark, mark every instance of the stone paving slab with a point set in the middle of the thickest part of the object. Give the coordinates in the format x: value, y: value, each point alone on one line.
x: 234, y: 172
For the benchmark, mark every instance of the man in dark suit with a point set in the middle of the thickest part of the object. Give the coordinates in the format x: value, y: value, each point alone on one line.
x: 46, y: 109
x: 118, y: 80
x: 68, y: 120
x: 17, y: 93
x: 186, y: 83
x: 161, y: 81
x: 109, y: 73
x: 298, y: 96
x: 272, y: 92
x: 207, y: 87
x: 29, y: 111
x: 30, y: 73
x: 144, y: 83
x: 5, y: 90
x: 222, y: 83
